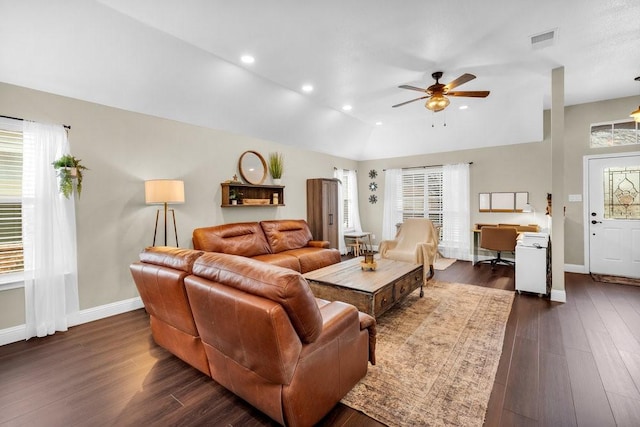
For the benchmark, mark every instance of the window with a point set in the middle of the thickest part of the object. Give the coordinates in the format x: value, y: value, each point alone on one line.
x: 11, y: 254
x: 613, y: 134
x: 347, y: 200
x: 421, y: 194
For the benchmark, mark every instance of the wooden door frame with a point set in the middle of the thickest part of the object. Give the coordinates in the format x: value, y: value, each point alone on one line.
x: 586, y: 202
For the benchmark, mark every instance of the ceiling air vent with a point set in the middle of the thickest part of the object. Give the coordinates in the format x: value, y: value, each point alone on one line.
x: 545, y: 39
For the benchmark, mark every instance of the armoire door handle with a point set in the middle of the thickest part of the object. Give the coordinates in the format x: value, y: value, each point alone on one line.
x: 330, y: 219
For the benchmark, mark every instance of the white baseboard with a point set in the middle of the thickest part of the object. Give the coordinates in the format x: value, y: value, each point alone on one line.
x: 558, y: 295
x: 102, y: 311
x: 574, y: 268
x: 19, y: 333
x: 13, y: 334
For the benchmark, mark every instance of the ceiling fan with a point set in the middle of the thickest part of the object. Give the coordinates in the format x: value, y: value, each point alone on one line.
x: 436, y: 92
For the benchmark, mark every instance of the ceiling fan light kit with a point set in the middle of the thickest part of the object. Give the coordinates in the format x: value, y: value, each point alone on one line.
x: 436, y: 92
x: 437, y: 103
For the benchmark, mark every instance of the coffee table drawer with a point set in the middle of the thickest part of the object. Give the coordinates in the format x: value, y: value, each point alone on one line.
x: 383, y: 300
x: 407, y: 284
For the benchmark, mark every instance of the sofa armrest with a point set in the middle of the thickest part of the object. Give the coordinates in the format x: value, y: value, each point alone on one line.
x: 368, y: 322
x: 338, y: 318
x: 319, y: 244
x: 386, y: 245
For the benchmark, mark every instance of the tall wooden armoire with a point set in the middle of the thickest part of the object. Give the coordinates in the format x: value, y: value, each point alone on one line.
x: 322, y: 209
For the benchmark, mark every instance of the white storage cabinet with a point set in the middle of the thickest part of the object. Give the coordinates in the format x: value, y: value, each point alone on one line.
x: 532, y: 263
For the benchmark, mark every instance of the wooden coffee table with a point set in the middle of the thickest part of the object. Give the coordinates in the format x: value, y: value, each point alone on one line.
x: 371, y: 291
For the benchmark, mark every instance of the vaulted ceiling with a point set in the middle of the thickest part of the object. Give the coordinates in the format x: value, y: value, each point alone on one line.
x: 181, y: 60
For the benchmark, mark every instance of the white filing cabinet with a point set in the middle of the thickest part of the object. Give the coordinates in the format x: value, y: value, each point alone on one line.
x: 532, y: 262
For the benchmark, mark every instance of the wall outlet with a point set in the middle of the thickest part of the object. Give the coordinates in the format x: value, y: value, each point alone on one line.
x: 373, y: 237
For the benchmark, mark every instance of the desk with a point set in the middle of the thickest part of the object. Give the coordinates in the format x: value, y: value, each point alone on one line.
x: 476, y: 235
x: 358, y: 240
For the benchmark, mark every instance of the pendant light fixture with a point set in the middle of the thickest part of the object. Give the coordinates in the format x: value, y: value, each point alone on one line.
x: 636, y: 114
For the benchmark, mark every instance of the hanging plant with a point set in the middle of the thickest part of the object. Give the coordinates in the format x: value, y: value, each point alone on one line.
x: 69, y: 170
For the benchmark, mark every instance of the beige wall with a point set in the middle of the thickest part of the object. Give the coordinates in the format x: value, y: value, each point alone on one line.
x: 578, y: 120
x: 122, y: 149
x: 521, y: 167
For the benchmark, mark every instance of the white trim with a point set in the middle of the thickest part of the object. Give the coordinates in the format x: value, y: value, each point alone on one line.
x: 575, y: 268
x: 558, y: 295
x: 19, y: 333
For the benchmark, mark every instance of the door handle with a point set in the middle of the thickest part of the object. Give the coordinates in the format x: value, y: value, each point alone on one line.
x: 593, y: 221
x: 330, y: 219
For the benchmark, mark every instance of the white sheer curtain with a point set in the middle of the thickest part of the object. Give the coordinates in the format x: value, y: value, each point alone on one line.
x: 392, y: 213
x: 342, y: 247
x: 353, y: 196
x: 456, y: 212
x: 49, y: 233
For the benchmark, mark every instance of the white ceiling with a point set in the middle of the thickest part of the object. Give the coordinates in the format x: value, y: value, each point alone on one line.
x: 181, y: 60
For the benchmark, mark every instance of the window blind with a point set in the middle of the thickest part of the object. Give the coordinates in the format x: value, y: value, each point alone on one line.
x: 11, y: 253
x: 421, y: 194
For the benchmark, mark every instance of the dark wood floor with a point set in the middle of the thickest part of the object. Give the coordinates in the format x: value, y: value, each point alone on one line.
x: 562, y: 364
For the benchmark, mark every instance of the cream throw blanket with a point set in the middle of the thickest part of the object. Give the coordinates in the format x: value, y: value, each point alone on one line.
x: 416, y: 242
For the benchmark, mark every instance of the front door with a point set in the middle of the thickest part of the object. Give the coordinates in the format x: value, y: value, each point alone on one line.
x: 614, y: 215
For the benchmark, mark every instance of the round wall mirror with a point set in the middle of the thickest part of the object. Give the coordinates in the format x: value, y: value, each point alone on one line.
x: 253, y: 168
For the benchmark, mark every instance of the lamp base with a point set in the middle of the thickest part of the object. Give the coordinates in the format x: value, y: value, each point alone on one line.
x: 175, y: 229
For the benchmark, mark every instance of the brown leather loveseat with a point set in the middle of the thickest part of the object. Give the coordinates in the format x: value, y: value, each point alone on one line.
x: 287, y: 243
x: 265, y: 336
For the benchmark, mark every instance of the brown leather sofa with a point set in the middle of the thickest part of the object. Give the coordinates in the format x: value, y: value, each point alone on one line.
x: 265, y: 336
x: 287, y: 243
x: 159, y: 277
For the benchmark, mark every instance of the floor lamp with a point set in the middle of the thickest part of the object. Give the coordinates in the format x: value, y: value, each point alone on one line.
x: 164, y: 191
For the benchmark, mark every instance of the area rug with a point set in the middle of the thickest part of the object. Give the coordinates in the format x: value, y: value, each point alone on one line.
x: 436, y: 357
x: 620, y: 280
x: 442, y: 263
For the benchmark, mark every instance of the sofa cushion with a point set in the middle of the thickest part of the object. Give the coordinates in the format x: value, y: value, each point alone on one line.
x: 284, y: 235
x: 281, y: 259
x: 176, y: 258
x: 284, y: 286
x: 242, y: 238
x: 314, y: 258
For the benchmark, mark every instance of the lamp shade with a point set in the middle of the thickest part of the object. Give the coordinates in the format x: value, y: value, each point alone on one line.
x: 163, y: 191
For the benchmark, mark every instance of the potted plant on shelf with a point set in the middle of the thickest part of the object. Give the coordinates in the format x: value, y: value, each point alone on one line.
x: 234, y: 196
x: 69, y: 170
x: 276, y: 167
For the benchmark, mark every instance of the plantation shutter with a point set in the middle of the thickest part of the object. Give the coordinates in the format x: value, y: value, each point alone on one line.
x: 11, y: 254
x: 346, y: 220
x: 434, y: 195
x: 413, y: 194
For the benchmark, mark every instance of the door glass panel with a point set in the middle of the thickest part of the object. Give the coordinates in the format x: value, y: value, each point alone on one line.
x: 622, y: 192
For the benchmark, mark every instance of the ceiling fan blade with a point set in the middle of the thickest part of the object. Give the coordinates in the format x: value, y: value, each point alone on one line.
x: 407, y: 102
x: 460, y: 80
x: 470, y: 93
x: 412, y: 88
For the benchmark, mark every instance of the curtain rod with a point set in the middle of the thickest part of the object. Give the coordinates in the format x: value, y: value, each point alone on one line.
x: 424, y: 167
x: 18, y: 118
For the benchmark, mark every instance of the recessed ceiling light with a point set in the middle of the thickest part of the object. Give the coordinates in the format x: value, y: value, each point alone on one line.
x: 378, y: 123
x: 463, y: 107
x: 248, y: 59
x: 347, y: 107
x: 307, y: 88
